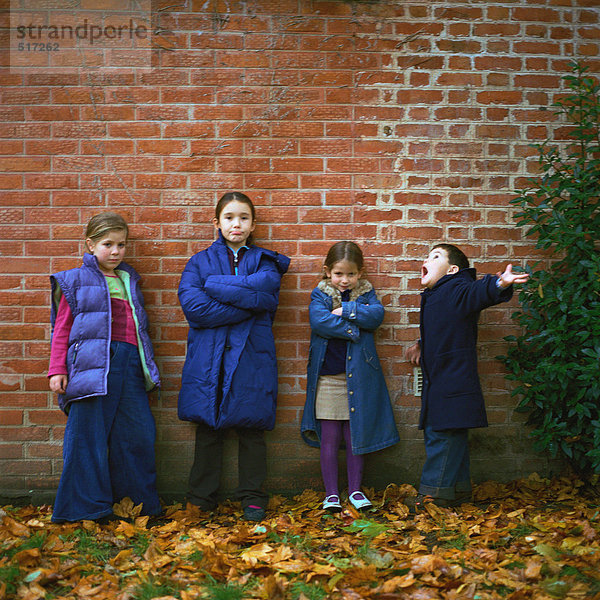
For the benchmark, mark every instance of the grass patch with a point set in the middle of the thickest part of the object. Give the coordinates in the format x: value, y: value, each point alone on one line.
x: 152, y: 588
x: 89, y: 547
x: 458, y: 541
x: 35, y: 541
x: 301, y: 542
x: 140, y: 543
x: 10, y: 576
x: 312, y: 591
x: 224, y: 591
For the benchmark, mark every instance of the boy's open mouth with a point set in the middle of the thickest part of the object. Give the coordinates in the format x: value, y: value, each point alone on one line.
x: 423, y: 271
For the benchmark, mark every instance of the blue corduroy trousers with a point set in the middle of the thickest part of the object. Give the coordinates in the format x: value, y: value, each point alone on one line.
x: 108, y: 448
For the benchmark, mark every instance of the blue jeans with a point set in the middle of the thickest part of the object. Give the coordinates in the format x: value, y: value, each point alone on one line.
x: 446, y: 470
x: 108, y: 449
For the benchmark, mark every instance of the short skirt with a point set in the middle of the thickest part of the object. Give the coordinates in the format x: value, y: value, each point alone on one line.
x: 332, y: 398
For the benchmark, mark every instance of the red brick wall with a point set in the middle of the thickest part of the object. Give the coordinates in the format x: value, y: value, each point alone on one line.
x: 396, y: 124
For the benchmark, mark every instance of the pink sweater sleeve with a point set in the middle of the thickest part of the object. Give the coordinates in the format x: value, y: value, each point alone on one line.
x: 60, y: 339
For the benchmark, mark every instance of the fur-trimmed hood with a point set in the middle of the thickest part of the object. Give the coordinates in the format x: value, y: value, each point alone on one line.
x: 362, y: 287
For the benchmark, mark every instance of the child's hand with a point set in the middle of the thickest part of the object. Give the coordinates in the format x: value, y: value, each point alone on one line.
x: 337, y: 311
x: 413, y: 353
x: 508, y: 277
x: 58, y: 383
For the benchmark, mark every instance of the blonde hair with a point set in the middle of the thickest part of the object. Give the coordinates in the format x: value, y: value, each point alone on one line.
x: 100, y: 224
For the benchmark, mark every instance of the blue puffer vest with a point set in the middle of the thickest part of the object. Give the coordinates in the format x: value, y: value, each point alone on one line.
x: 88, y: 356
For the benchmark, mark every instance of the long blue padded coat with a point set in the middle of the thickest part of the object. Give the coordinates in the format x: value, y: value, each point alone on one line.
x: 451, y: 396
x: 88, y: 356
x: 229, y: 377
x: 372, y: 425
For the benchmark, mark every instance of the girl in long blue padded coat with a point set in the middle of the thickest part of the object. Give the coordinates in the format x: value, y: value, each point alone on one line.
x: 229, y: 294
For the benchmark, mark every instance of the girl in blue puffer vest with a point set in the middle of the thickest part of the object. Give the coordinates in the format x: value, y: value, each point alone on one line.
x: 229, y: 294
x: 346, y: 393
x: 102, y: 366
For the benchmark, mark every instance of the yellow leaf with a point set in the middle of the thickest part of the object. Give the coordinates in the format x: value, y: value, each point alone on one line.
x: 127, y: 509
x: 427, y: 564
x: 126, y: 529
x: 28, y: 558
x: 571, y: 543
x: 272, y: 588
x: 321, y: 569
x: 403, y: 581
x: 334, y: 580
x: 255, y: 553
x: 120, y: 558
x: 15, y: 528
x: 282, y: 553
x: 293, y: 566
x: 533, y: 569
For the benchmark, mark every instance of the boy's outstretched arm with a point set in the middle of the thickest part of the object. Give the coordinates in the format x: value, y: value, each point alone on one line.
x: 413, y: 353
x: 508, y: 277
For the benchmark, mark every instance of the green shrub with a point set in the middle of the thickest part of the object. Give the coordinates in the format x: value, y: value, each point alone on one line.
x: 556, y: 359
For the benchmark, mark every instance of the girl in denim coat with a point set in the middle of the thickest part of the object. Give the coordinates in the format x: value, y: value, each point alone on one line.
x: 346, y: 394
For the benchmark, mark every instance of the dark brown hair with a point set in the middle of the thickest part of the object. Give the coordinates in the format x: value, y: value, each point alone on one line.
x: 455, y: 255
x: 344, y: 251
x: 232, y: 197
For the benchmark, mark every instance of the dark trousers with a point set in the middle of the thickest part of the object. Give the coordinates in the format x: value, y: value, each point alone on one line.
x: 205, y: 475
x: 108, y: 449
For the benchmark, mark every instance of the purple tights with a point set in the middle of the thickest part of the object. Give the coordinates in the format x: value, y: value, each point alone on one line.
x: 331, y: 439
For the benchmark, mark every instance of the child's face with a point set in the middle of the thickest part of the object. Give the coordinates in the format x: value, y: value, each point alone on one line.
x: 435, y: 266
x: 344, y: 275
x: 235, y: 223
x: 109, y: 250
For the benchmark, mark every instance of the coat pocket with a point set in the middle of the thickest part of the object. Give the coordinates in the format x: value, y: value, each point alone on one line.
x: 456, y: 372
x: 371, y: 359
x: 72, y: 355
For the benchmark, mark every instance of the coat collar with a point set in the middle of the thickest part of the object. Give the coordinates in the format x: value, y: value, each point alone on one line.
x: 89, y: 260
x: 362, y: 287
x: 470, y: 274
x: 281, y: 261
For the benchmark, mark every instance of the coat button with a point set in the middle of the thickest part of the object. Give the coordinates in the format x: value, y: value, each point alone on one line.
x: 352, y: 409
x: 349, y: 374
x: 349, y: 358
x: 351, y: 392
x: 348, y: 330
x: 352, y: 315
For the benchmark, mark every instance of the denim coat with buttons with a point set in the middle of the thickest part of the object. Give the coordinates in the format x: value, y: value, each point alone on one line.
x: 229, y: 376
x: 452, y: 397
x: 372, y: 425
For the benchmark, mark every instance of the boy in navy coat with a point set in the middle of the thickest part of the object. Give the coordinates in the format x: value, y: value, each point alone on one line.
x: 452, y: 400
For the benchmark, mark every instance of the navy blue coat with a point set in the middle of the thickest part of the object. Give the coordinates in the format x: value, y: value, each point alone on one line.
x: 452, y: 396
x: 372, y: 425
x: 229, y: 377
x: 88, y: 356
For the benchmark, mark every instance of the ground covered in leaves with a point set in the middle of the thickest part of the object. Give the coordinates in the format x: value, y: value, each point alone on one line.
x: 532, y: 538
